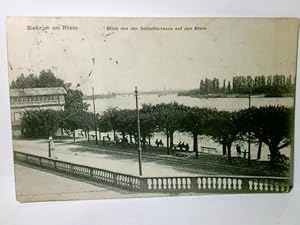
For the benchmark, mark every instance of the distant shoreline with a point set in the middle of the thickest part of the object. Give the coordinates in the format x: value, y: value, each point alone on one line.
x: 237, y: 95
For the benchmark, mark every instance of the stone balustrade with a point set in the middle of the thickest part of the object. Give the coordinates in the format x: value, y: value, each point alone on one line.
x: 196, y: 184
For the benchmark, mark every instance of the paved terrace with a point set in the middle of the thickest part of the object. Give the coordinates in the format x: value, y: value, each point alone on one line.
x: 117, y: 162
x: 34, y: 185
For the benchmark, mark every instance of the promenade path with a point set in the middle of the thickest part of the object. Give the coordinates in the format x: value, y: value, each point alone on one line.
x: 34, y: 185
x: 117, y: 162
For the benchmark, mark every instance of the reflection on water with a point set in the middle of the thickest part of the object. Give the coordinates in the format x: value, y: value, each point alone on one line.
x: 229, y: 104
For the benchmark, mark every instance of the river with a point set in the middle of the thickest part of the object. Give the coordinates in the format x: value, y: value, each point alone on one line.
x: 228, y: 104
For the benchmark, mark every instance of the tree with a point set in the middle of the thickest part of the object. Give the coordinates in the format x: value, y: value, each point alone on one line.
x: 40, y: 123
x: 74, y: 101
x: 195, y: 121
x: 167, y: 118
x: 247, y: 124
x: 71, y: 120
x: 223, y: 129
x: 88, y: 119
x: 48, y: 79
x: 125, y: 122
x: 147, y: 124
x: 45, y: 79
x: 107, y: 121
x: 273, y: 126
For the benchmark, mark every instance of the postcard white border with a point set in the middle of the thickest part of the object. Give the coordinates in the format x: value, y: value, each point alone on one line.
x: 212, y: 209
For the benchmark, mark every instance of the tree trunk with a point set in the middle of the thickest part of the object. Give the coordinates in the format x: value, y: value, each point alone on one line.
x: 229, y: 153
x: 273, y: 154
x: 99, y: 135
x: 149, y: 140
x: 171, y: 139
x: 73, y: 135
x: 259, y: 150
x: 130, y: 138
x: 114, y: 135
x: 168, y: 147
x: 62, y: 132
x: 195, y: 145
x: 144, y: 142
x: 88, y: 135
x: 224, y: 149
x: 123, y: 140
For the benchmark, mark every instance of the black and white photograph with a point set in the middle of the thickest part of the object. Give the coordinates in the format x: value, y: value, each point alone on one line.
x: 120, y: 107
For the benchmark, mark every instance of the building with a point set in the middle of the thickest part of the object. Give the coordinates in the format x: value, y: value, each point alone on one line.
x: 28, y: 99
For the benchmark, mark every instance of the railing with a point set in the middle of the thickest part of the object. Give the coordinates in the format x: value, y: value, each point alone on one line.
x: 38, y: 103
x: 85, y: 172
x: 200, y: 184
x: 208, y: 150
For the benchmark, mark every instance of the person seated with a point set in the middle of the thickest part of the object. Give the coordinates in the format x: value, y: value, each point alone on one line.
x: 160, y: 143
x: 238, y: 150
x: 187, y: 147
x: 117, y: 139
x: 179, y: 146
x: 126, y: 139
x: 182, y: 146
x: 157, y: 143
x: 173, y: 147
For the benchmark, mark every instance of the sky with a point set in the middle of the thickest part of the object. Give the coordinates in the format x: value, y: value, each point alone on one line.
x: 93, y: 54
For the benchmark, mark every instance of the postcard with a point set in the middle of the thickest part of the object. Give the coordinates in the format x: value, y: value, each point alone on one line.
x: 145, y: 107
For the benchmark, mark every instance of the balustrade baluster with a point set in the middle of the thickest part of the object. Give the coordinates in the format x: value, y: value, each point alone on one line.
x: 219, y: 183
x: 161, y: 184
x: 209, y: 183
x: 178, y: 184
x: 214, y: 183
x: 183, y: 183
x: 165, y: 183
x: 224, y: 182
x: 229, y: 183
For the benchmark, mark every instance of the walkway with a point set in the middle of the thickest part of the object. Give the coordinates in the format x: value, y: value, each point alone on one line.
x: 113, y: 161
x: 33, y: 185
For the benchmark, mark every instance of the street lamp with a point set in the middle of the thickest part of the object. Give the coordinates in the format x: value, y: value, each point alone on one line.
x: 249, y: 141
x: 50, y: 146
x: 139, y: 132
x: 95, y: 118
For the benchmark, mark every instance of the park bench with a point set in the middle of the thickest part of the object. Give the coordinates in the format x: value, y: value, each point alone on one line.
x: 208, y: 150
x: 178, y: 148
x: 107, y: 141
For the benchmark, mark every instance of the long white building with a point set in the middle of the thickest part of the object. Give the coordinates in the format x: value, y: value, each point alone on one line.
x: 28, y: 99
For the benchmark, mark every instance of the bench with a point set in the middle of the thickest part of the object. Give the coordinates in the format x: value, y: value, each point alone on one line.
x: 178, y: 148
x: 208, y: 150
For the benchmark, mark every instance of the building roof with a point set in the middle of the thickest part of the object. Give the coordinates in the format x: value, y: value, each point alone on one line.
x: 37, y: 91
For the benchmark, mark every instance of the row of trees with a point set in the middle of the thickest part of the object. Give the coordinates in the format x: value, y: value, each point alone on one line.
x: 271, y: 125
x: 46, y: 78
x: 271, y: 84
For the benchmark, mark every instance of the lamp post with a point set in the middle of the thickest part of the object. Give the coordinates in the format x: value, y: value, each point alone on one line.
x: 95, y: 118
x: 249, y: 141
x: 139, y: 132
x: 50, y: 143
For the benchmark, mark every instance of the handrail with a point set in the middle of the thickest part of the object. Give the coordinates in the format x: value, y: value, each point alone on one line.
x: 176, y: 184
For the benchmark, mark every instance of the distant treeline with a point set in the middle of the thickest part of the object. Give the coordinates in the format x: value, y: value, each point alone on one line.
x: 271, y: 85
